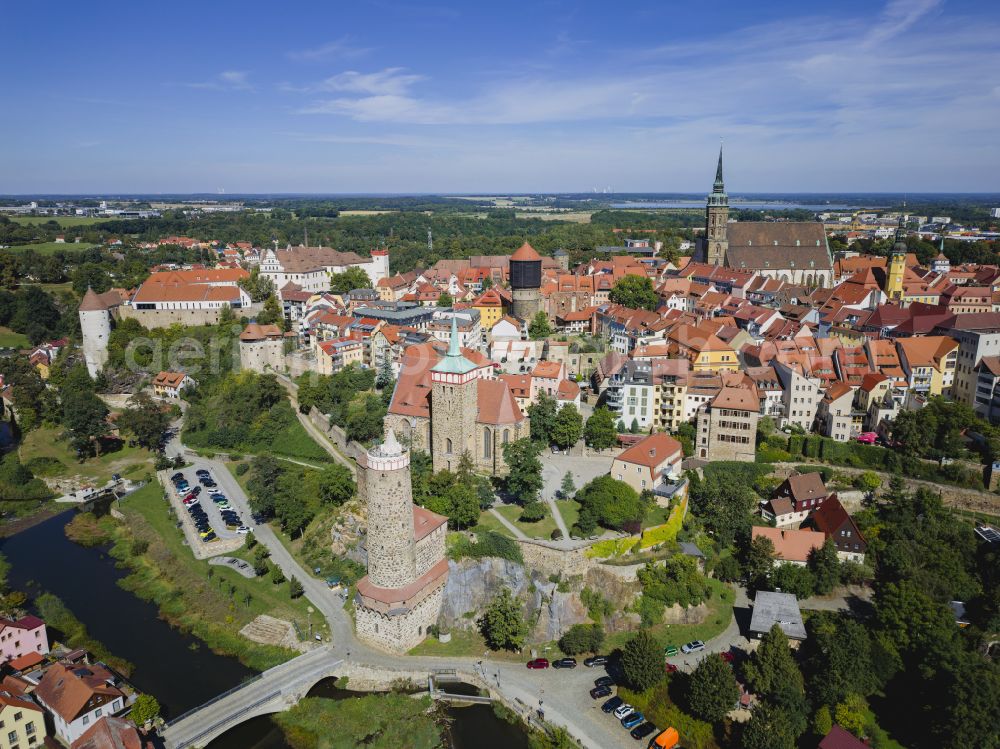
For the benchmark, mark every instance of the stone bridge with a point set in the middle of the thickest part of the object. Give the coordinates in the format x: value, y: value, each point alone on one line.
x: 272, y: 691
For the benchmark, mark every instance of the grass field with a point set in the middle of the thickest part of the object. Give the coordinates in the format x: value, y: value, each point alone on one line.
x: 66, y: 221
x: 10, y: 339
x: 570, y: 511
x: 542, y: 529
x: 49, y: 456
x: 488, y: 522
x: 213, y: 602
x: 577, y: 217
x: 51, y: 248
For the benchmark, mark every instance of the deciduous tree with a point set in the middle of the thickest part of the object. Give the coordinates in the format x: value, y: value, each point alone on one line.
x: 712, y: 689
x: 502, y: 624
x: 642, y: 661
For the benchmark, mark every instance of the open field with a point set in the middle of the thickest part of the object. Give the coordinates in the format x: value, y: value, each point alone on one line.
x: 365, y: 213
x: 10, y: 339
x: 65, y: 221
x: 578, y: 217
x: 50, y: 457
x: 51, y: 248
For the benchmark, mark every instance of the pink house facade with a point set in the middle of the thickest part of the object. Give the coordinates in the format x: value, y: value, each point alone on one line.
x: 26, y: 635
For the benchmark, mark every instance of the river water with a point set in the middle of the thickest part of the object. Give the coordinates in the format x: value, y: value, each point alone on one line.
x: 176, y: 668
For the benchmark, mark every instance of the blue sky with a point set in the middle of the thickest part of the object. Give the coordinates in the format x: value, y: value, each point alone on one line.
x: 397, y: 96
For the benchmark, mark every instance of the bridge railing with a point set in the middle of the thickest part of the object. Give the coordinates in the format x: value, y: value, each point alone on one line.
x: 228, y: 719
x: 215, y: 699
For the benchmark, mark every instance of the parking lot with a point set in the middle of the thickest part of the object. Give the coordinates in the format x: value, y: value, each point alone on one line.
x: 211, y: 522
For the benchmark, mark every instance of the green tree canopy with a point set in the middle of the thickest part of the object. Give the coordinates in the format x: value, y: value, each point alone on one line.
x: 539, y: 327
x: 568, y: 427
x: 351, y: 279
x: 600, y: 432
x: 502, y: 624
x: 642, y: 661
x: 635, y: 292
x: 712, y: 689
x: 524, y: 477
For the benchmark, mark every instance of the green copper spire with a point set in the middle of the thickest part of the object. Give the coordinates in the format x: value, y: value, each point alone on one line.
x: 900, y: 245
x: 453, y: 348
x: 719, y: 187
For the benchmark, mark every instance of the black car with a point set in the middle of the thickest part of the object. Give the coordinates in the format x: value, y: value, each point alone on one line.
x: 564, y: 663
x: 209, y: 537
x: 604, y: 681
x: 203, y: 472
x: 642, y: 731
x: 177, y: 476
x: 596, y: 660
x: 597, y: 692
x: 612, y: 704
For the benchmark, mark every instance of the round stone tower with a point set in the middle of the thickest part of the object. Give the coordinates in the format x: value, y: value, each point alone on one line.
x: 391, y: 548
x: 526, y: 282
x: 95, y: 325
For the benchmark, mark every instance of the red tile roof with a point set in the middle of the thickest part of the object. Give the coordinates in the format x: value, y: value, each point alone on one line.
x: 525, y: 252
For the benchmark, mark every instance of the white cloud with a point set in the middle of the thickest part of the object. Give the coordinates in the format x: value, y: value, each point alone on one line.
x: 339, y: 49
x: 231, y: 80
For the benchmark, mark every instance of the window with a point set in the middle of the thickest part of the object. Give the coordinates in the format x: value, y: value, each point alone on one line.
x: 447, y: 446
x: 98, y: 713
x: 29, y: 728
x: 18, y: 715
x: 86, y: 719
x: 12, y: 736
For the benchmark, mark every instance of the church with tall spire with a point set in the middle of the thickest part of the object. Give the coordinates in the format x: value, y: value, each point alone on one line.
x: 450, y: 404
x: 793, y: 251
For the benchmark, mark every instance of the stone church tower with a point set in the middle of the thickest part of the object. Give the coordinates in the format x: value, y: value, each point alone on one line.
x: 401, y: 595
x: 454, y: 406
x: 716, y: 218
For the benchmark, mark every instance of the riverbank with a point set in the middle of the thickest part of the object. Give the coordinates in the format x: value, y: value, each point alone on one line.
x: 211, y: 602
x: 74, y: 633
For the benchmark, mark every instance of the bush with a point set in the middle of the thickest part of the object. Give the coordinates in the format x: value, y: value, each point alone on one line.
x: 488, y: 544
x: 532, y: 512
x: 241, y: 468
x: 582, y: 638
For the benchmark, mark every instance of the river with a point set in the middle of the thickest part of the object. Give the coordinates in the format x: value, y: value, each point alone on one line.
x: 176, y: 668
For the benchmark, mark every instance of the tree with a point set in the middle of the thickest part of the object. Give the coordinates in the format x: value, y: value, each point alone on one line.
x: 145, y: 420
x: 257, y: 286
x: 351, y: 279
x: 272, y: 314
x: 145, y: 709
x: 539, y: 327
x: 445, y: 299
x: 728, y: 569
x: 582, y: 638
x: 524, y: 477
x: 772, y: 666
x: 277, y: 576
x: 838, y: 657
x: 852, y: 714
x: 90, y: 275
x: 610, y: 502
x: 384, y: 378
x: 868, y: 482
x: 568, y: 427
x: 365, y: 418
x: 758, y: 559
x: 336, y: 485
x: 567, y: 488
x: 792, y: 578
x: 600, y: 432
x: 294, y: 587
x: 85, y: 415
x: 542, y: 418
x: 712, y: 689
x: 635, y: 292
x: 642, y: 661
x: 768, y: 728
x: 634, y: 427
x: 822, y: 721
x: 502, y: 624
x: 825, y: 567
x: 532, y: 512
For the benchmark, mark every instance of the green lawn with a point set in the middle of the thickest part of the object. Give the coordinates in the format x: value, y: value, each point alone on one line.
x: 62, y: 220
x: 720, y: 613
x: 464, y: 642
x: 51, y: 248
x: 489, y: 522
x: 214, y: 608
x: 542, y: 529
x: 657, y: 516
x: 570, y: 511
x: 49, y: 456
x: 10, y: 339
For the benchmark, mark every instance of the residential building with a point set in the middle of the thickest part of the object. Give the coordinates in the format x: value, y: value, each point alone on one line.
x: 834, y: 415
x: 978, y: 335
x: 727, y: 427
x: 631, y: 394
x: 77, y: 696
x: 798, y: 496
x: 928, y: 363
x: 545, y: 378
x: 841, y: 738
x: 337, y: 353
x: 770, y: 608
x: 310, y: 267
x: 170, y: 384
x: 21, y: 637
x: 112, y: 733
x: 832, y: 520
x: 653, y: 463
x: 791, y: 546
x: 22, y: 722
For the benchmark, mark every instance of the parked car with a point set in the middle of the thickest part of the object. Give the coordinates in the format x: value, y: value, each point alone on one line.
x: 867, y: 438
x: 693, y: 647
x: 564, y: 663
x: 641, y: 732
x: 243, y: 530
x: 728, y: 657
x: 612, y: 704
x: 604, y: 681
x: 177, y: 476
x: 622, y: 710
x: 669, y: 667
x: 538, y: 663
x: 210, y: 536
x: 631, y: 721
x: 597, y: 692
x: 670, y: 651
x: 596, y: 660
x: 203, y: 472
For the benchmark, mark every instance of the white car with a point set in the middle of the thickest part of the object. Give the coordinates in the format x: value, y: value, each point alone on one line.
x: 624, y: 710
x: 693, y: 647
x: 243, y: 530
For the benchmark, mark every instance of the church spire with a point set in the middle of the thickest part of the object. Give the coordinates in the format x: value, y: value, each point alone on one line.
x: 453, y: 348
x: 719, y: 186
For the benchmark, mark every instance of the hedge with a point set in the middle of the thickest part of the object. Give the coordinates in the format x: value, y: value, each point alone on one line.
x: 668, y: 531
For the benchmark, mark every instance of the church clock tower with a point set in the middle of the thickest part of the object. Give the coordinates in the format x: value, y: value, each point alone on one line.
x: 716, y: 217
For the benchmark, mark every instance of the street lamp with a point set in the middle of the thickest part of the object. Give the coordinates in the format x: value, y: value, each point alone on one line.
x: 309, y: 611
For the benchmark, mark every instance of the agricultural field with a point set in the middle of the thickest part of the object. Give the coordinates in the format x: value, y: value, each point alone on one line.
x: 65, y: 221
x: 51, y: 248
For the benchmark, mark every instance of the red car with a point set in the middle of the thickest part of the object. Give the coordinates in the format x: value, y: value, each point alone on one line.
x: 538, y: 663
x: 728, y: 657
x: 669, y: 667
x: 867, y: 438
